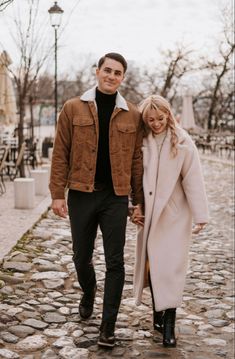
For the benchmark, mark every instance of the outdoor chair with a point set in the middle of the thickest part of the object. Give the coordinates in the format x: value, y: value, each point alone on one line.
x: 2, y: 168
x: 31, y: 157
x: 14, y: 167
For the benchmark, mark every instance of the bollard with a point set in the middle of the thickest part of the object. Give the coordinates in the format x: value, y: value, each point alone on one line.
x: 24, y: 193
x: 50, y: 150
x: 41, y: 181
x: 47, y: 167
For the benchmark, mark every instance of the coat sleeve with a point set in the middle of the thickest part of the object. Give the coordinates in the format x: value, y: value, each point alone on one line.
x: 61, y: 156
x: 193, y: 184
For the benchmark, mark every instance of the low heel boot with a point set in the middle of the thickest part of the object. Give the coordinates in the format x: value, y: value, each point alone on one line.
x: 107, y: 338
x: 169, y: 328
x: 87, y: 303
x: 158, y: 321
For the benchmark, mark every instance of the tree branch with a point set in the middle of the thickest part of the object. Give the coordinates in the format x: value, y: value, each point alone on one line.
x: 4, y: 4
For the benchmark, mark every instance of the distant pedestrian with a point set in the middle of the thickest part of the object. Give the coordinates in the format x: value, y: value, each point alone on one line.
x: 97, y: 156
x: 174, y: 194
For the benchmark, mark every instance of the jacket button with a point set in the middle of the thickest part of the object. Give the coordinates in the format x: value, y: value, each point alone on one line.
x: 150, y: 193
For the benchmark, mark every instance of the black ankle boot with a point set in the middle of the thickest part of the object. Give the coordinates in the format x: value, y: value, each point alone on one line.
x: 158, y: 321
x: 169, y: 328
x: 86, y: 304
x: 106, y: 338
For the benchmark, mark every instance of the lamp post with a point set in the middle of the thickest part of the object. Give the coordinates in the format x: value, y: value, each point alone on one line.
x: 55, y: 16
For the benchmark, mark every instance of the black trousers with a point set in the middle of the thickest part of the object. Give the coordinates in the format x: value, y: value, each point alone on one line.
x: 86, y: 212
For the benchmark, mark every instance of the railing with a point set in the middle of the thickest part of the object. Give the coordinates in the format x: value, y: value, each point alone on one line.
x: 220, y: 145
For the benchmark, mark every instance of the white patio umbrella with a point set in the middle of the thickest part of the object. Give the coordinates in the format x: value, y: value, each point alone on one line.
x: 187, y: 117
x: 7, y: 96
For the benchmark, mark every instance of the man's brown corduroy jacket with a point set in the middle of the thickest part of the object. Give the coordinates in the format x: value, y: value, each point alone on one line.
x: 76, y: 143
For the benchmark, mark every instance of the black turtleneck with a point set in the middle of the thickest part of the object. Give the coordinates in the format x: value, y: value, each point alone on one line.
x: 105, y: 106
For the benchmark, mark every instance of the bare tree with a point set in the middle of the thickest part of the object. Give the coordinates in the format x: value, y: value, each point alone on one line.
x: 32, y: 53
x: 4, y: 4
x: 67, y: 87
x: 45, y: 87
x: 178, y: 64
x: 165, y: 78
x: 217, y: 95
x: 133, y: 87
x: 70, y: 87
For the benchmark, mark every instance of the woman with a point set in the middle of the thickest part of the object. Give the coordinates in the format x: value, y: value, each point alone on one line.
x: 174, y: 196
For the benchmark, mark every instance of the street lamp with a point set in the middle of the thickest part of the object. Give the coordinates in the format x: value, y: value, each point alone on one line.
x: 55, y: 16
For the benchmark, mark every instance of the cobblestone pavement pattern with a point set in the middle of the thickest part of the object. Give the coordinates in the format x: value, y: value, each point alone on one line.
x: 40, y: 294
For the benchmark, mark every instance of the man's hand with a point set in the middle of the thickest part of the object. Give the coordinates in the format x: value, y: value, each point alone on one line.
x: 198, y: 227
x: 137, y: 215
x: 59, y: 207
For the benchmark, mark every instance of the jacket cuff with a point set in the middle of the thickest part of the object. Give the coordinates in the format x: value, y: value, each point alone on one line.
x: 138, y: 200
x: 58, y: 194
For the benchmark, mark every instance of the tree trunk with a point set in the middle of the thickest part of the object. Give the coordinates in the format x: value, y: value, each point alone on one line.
x: 21, y: 134
x: 31, y: 121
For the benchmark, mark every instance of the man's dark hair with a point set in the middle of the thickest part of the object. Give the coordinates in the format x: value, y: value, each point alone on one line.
x: 114, y: 56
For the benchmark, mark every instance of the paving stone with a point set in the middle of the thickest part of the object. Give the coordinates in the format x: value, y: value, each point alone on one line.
x: 55, y: 332
x: 8, y: 354
x: 49, y: 354
x: 37, y: 324
x: 78, y: 353
x: 8, y: 337
x: 49, y: 275
x: 18, y: 266
x: 32, y: 343
x: 53, y: 284
x: 21, y: 331
x: 213, y: 341
x: 64, y: 341
x: 52, y: 317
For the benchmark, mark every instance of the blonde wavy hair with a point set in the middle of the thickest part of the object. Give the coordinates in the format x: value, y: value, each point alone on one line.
x: 158, y: 103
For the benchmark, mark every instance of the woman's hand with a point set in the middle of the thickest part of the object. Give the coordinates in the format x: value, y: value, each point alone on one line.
x: 198, y: 227
x: 137, y: 216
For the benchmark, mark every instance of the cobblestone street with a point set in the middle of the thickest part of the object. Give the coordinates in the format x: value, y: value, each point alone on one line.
x: 40, y: 294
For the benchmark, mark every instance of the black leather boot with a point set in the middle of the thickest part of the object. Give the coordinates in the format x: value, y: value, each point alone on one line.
x: 158, y: 321
x: 169, y: 328
x: 86, y: 304
x: 157, y: 316
x: 107, y: 338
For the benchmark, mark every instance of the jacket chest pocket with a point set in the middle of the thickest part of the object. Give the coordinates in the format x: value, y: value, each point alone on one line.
x: 84, y: 129
x: 126, y: 136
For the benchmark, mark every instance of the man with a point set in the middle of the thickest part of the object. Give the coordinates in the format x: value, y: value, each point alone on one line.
x: 97, y: 156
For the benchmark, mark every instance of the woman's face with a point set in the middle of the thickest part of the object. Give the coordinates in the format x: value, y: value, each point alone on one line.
x: 156, y: 120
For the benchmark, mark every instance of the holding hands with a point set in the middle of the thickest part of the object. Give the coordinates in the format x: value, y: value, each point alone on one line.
x: 198, y: 227
x: 136, y: 215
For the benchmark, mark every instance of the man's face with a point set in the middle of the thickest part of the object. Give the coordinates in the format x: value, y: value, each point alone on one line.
x: 110, y: 76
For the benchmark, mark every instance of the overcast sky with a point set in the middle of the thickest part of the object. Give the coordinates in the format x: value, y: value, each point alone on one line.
x: 135, y: 28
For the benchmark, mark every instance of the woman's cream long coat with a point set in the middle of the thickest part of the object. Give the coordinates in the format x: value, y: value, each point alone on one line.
x: 174, y: 195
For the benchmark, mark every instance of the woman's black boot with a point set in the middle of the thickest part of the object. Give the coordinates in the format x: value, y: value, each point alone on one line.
x: 158, y: 321
x: 169, y: 328
x: 157, y: 316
